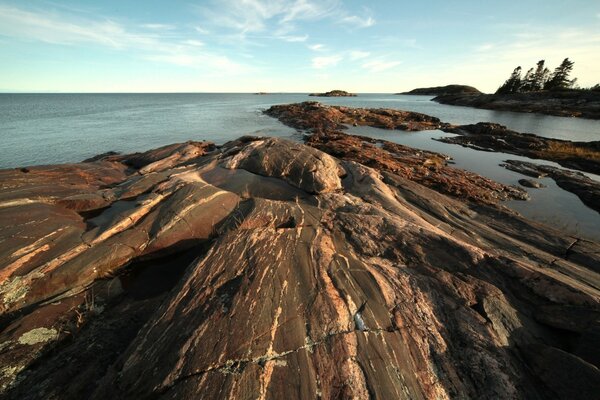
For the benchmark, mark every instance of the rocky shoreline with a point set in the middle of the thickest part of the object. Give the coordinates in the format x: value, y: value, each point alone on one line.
x: 346, y: 267
x: 572, y: 103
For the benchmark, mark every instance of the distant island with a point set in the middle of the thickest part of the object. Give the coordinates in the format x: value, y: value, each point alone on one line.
x: 539, y: 91
x: 443, y: 90
x: 334, y: 93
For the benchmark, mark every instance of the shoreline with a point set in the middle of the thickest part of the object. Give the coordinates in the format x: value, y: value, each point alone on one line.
x: 573, y: 104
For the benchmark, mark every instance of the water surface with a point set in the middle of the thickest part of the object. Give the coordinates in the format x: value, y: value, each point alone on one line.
x: 57, y: 128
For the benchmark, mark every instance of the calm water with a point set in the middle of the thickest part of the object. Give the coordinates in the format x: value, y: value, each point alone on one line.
x: 57, y: 128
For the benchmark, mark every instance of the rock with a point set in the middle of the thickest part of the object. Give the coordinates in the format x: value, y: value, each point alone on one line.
x: 314, y: 116
x: 334, y: 93
x: 487, y: 136
x: 444, y: 90
x: 425, y: 167
x: 567, y: 103
x: 270, y: 269
x: 587, y: 189
x: 530, y: 183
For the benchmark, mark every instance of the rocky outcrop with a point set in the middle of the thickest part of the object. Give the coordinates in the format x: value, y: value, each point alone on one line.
x: 270, y: 269
x: 444, y: 90
x: 588, y: 190
x: 313, y: 116
x: 334, y: 93
x: 570, y: 103
x: 584, y: 156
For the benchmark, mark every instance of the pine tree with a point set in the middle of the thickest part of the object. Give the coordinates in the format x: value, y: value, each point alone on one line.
x: 512, y: 84
x: 539, y: 77
x: 560, y: 76
x: 528, y: 81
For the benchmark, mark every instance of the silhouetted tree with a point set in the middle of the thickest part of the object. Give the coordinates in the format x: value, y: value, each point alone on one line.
x: 540, y: 76
x: 560, y: 76
x: 512, y: 84
x: 528, y: 81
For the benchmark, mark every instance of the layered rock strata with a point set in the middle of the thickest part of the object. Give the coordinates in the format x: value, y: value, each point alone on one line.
x: 269, y: 269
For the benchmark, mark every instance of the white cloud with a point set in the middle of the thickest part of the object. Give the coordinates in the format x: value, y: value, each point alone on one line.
x: 317, y: 47
x: 357, y: 22
x: 326, y: 61
x: 251, y: 16
x: 196, y: 43
x: 66, y: 29
x: 358, y: 54
x: 158, y: 27
x: 201, y: 30
x: 292, y: 38
x: 485, y: 47
x: 380, y: 65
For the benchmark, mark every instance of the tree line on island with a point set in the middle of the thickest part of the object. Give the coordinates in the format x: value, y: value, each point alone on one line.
x: 540, y: 78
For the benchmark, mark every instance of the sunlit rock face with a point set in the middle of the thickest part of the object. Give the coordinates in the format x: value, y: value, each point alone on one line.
x: 269, y: 269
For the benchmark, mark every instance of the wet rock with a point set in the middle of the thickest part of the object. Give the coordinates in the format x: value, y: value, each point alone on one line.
x: 530, y: 183
x: 587, y: 189
x: 271, y: 269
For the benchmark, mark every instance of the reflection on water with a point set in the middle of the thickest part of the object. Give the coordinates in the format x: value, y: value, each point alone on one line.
x: 551, y: 205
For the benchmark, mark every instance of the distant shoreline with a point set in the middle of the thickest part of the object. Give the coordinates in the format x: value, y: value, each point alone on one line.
x: 568, y: 103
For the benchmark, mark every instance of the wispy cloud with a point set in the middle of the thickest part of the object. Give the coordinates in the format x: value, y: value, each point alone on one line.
x: 68, y: 29
x: 484, y: 47
x: 380, y: 65
x: 252, y: 16
x: 158, y: 27
x: 317, y: 47
x: 358, y: 54
x: 201, y: 30
x: 326, y: 61
x: 358, y: 22
x: 292, y: 38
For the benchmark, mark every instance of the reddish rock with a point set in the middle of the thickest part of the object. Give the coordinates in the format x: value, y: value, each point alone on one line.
x: 270, y: 269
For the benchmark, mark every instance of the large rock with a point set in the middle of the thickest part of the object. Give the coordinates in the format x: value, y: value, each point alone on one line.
x: 270, y: 269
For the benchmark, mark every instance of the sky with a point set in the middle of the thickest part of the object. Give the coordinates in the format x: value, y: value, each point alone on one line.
x: 384, y: 46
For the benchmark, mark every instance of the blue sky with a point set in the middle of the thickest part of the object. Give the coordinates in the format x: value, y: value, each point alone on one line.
x: 288, y: 45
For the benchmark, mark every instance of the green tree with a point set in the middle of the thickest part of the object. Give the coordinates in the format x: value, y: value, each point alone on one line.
x: 512, y: 84
x: 560, y: 76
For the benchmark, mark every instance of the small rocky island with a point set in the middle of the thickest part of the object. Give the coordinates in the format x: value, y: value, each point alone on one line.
x: 334, y: 93
x: 444, y: 90
x: 341, y: 267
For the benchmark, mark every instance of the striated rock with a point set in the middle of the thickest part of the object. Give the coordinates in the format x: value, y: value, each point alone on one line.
x: 584, y: 156
x: 334, y: 93
x: 566, y: 103
x: 587, y: 189
x: 269, y: 269
x: 444, y: 90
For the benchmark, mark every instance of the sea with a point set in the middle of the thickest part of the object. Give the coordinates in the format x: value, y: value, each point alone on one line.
x: 37, y: 129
